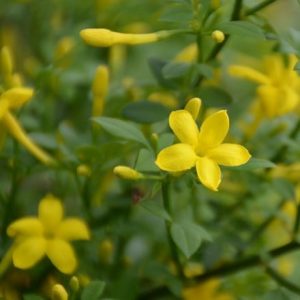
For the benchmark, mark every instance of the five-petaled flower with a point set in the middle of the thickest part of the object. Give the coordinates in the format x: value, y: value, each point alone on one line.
x: 278, y: 90
x: 13, y: 99
x: 203, y: 149
x: 48, y: 234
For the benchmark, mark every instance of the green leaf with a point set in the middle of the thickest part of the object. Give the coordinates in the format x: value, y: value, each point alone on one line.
x: 145, y: 161
x: 214, y: 96
x: 122, y: 129
x: 241, y: 28
x: 175, y: 70
x: 188, y: 237
x: 32, y: 297
x: 93, y: 290
x: 254, y: 164
x: 156, y: 65
x: 156, y: 209
x: 145, y: 112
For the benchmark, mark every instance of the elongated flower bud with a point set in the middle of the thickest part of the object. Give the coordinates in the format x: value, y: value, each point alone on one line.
x: 127, y: 173
x: 59, y: 292
x: 193, y: 107
x: 6, y: 61
x: 100, y: 89
x: 19, y: 134
x: 101, y: 37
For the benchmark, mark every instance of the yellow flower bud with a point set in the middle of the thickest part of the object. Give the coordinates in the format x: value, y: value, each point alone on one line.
x: 99, y: 89
x: 84, y: 170
x: 59, y: 292
x: 127, y: 173
x: 101, y: 37
x: 188, y: 54
x: 218, y: 36
x: 193, y: 107
x: 64, y: 47
x: 106, y: 249
x: 6, y: 62
x: 74, y: 283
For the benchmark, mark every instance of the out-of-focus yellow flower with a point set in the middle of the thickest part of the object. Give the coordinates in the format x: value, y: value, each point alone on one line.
x: 59, y: 292
x: 188, y: 54
x: 218, y: 36
x: 106, y: 249
x: 290, y: 172
x: 125, y: 172
x: 100, y: 89
x: 208, y: 290
x: 102, y: 37
x: 48, y: 234
x: 164, y: 98
x: 278, y: 90
x: 11, y: 99
x: 201, y: 149
x: 63, y: 51
x: 84, y: 170
x: 117, y: 58
x: 193, y: 269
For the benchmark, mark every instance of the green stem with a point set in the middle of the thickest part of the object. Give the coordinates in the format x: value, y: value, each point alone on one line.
x: 258, y: 7
x: 297, y: 221
x: 173, y: 248
x: 283, y: 150
x: 282, y: 281
x: 249, y: 262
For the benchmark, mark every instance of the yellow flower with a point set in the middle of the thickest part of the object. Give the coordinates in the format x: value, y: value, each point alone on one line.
x: 102, y: 37
x: 278, y: 92
x: 188, y: 54
x: 206, y: 291
x: 201, y: 149
x: 48, y: 234
x: 12, y: 99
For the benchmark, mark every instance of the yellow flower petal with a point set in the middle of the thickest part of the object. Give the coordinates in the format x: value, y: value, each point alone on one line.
x: 184, y: 127
x: 73, y: 229
x: 28, y: 252
x: 193, y: 107
x: 25, y: 226
x: 61, y: 255
x: 17, y: 96
x: 50, y: 213
x: 208, y: 172
x: 269, y: 100
x: 229, y: 155
x: 248, y: 73
x: 213, y: 131
x: 4, y: 107
x: 176, y: 158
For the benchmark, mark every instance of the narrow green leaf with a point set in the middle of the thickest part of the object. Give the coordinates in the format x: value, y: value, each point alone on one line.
x: 188, y: 237
x: 32, y: 297
x: 122, y: 129
x: 145, y: 161
x: 214, y: 96
x: 145, y: 112
x: 175, y: 70
x: 156, y: 209
x: 241, y: 28
x: 255, y: 163
x: 93, y: 290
